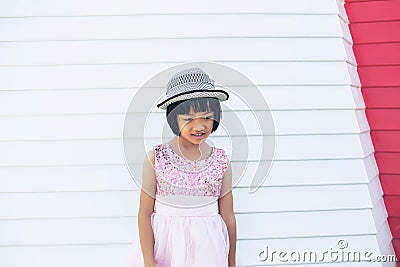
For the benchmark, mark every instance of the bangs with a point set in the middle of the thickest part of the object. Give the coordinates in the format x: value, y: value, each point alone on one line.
x: 200, y: 104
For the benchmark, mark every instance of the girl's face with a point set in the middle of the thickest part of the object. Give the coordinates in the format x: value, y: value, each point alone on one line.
x: 195, y: 127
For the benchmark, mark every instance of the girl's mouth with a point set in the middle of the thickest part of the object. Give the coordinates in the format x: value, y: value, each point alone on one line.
x: 198, y: 135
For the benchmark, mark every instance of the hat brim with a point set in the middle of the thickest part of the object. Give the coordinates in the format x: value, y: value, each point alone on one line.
x: 221, y: 95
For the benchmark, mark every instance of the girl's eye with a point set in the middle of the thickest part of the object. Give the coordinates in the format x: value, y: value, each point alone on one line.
x: 188, y: 119
x: 208, y: 118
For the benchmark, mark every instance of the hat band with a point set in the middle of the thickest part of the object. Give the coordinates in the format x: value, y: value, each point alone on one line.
x: 219, y: 94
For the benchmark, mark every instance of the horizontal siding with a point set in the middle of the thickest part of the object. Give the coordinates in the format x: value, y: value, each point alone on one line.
x: 372, y: 11
x: 377, y: 54
x: 386, y: 141
x: 105, y: 255
x: 124, y: 7
x: 109, y: 101
x: 118, y: 203
x: 83, y: 152
x: 376, y: 32
x: 123, y: 229
x: 108, y: 177
x: 109, y: 126
x: 170, y: 26
x: 381, y: 97
x: 392, y: 204
x: 114, y: 51
x: 388, y: 162
x: 384, y: 118
x: 374, y: 26
x: 374, y: 76
x: 390, y: 184
x: 63, y: 174
x: 393, y: 221
x: 120, y: 75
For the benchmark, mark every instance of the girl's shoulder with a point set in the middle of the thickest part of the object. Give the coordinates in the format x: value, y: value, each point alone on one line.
x: 160, y: 150
x: 160, y: 147
x: 220, y: 154
x: 219, y: 150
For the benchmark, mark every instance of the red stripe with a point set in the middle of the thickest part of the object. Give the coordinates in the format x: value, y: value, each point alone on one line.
x: 394, y: 224
x: 352, y: 1
x: 388, y: 163
x: 377, y: 54
x: 381, y: 97
x: 392, y: 205
x: 375, y: 29
x: 384, y: 119
x: 390, y: 184
x: 386, y: 141
x: 396, y: 246
x: 373, y: 10
x: 375, y: 32
x: 380, y: 75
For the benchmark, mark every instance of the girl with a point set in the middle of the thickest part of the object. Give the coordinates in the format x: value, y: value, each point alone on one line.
x: 186, y: 216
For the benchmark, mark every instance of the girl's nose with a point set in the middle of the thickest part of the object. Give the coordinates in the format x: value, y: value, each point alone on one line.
x: 199, y: 126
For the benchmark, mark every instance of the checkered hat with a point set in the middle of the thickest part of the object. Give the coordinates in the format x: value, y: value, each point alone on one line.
x: 191, y: 83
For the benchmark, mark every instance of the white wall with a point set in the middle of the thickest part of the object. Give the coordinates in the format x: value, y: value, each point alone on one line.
x: 68, y: 71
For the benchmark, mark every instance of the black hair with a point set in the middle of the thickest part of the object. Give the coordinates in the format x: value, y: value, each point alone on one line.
x: 200, y: 104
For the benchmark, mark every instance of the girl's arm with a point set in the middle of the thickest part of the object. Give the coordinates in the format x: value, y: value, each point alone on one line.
x: 146, y: 207
x: 226, y: 210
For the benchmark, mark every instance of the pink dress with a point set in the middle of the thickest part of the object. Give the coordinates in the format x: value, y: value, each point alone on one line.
x: 188, y: 229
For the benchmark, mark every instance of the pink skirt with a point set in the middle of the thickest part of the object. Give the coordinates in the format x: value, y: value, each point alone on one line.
x: 187, y: 237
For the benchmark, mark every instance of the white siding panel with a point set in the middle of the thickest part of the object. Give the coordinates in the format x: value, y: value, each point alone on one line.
x: 126, y: 7
x: 375, y: 190
x: 106, y: 255
x: 116, y: 177
x: 302, y: 224
x: 111, y: 125
x: 349, y: 53
x: 342, y: 11
x: 67, y: 231
x: 344, y: 25
x: 150, y: 51
x: 168, y: 26
x: 124, y: 229
x: 384, y: 238
x: 99, y: 255
x: 309, y: 172
x: 65, y: 178
x: 279, y: 199
x: 134, y: 75
x: 83, y: 152
x: 55, y: 102
x: 119, y: 203
x: 379, y: 214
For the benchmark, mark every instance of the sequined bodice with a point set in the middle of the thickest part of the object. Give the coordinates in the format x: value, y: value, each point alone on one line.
x: 176, y: 175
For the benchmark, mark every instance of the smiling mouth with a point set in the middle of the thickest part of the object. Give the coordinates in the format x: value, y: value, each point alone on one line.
x: 199, y: 134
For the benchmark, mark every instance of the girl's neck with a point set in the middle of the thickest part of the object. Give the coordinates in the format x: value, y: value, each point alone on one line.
x: 186, y: 145
x: 189, y: 150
